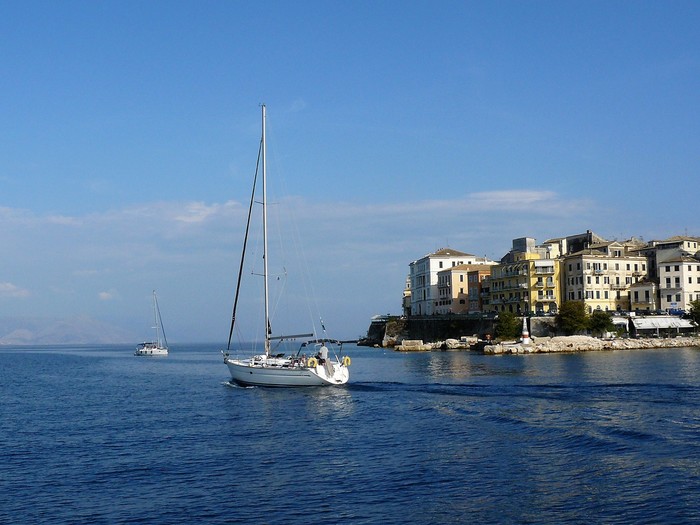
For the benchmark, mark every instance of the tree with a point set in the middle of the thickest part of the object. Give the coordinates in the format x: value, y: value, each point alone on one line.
x: 694, y: 312
x: 572, y: 317
x: 600, y: 322
x: 508, y: 326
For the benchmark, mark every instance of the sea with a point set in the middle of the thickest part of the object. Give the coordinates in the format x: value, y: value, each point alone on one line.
x: 95, y: 435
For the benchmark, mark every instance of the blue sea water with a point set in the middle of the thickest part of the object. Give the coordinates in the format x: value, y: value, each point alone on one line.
x: 97, y: 435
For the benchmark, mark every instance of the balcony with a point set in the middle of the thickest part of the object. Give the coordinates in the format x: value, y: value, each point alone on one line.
x: 513, y: 273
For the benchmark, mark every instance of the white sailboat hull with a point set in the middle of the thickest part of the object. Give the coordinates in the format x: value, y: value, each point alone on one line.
x: 151, y: 350
x: 247, y: 373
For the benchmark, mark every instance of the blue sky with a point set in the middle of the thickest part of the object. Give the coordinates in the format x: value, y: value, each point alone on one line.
x: 128, y: 135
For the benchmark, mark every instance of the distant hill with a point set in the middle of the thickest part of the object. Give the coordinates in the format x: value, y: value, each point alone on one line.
x: 77, y: 330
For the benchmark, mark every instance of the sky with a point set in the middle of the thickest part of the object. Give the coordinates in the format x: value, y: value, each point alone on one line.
x: 129, y: 134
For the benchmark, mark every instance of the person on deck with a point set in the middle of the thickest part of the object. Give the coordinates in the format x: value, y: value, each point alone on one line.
x: 322, y: 354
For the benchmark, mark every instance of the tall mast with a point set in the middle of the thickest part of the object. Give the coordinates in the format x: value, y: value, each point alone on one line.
x: 155, y: 319
x: 264, y: 207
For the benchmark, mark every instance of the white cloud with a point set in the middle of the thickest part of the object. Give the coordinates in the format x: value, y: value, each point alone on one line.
x: 63, y: 220
x: 11, y: 290
x: 106, y: 296
x: 190, y: 251
x: 196, y: 212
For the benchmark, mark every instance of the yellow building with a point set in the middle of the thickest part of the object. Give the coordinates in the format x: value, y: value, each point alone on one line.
x: 459, y: 288
x: 602, y: 275
x: 527, y: 283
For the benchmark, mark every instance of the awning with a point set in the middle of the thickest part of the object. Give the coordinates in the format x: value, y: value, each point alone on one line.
x: 660, y: 322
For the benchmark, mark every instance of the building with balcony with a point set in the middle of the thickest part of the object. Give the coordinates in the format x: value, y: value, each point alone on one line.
x: 644, y: 296
x: 601, y: 276
x: 527, y: 280
x: 425, y: 294
x: 527, y: 284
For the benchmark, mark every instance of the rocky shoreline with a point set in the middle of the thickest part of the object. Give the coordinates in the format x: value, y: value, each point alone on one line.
x: 544, y: 345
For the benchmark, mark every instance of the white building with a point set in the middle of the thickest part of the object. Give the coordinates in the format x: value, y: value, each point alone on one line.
x: 679, y: 283
x: 424, y: 277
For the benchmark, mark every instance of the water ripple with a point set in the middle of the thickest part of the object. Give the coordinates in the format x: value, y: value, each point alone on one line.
x: 97, y: 436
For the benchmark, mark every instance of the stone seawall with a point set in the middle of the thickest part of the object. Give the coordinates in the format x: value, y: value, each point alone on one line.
x: 391, y: 331
x: 580, y: 343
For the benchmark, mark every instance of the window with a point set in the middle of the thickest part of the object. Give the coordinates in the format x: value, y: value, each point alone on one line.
x: 676, y: 268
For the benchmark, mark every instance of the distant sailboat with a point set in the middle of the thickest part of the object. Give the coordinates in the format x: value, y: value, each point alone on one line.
x: 158, y: 347
x: 322, y: 368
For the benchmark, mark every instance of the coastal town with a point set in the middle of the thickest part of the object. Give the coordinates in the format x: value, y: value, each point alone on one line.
x: 647, y: 288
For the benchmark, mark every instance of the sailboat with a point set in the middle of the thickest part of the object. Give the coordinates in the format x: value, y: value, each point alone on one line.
x: 158, y: 347
x: 322, y: 366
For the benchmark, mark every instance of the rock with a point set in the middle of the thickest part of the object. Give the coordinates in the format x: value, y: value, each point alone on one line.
x: 413, y: 345
x: 580, y: 343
